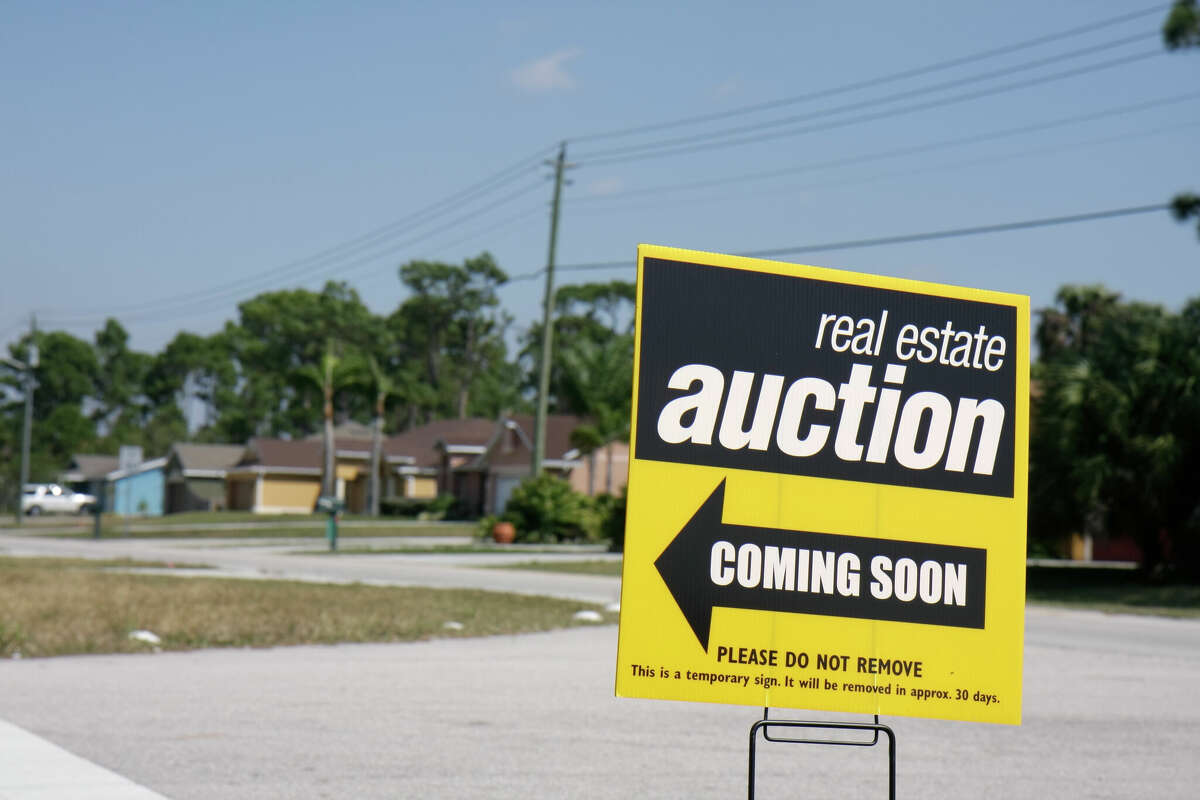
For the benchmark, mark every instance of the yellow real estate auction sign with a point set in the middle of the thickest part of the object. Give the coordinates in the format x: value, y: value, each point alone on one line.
x: 827, y: 491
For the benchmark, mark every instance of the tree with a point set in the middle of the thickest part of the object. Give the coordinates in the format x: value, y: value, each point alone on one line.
x: 120, y: 378
x: 61, y: 433
x: 1115, y: 447
x: 65, y: 379
x: 1187, y: 205
x: 452, y: 325
x: 278, y: 333
x: 1182, y: 26
x: 598, y: 383
x: 197, y: 369
x: 607, y: 304
x: 66, y: 374
x: 591, y: 373
x: 366, y: 371
x: 328, y: 376
x: 384, y: 386
x: 1181, y: 30
x: 592, y: 313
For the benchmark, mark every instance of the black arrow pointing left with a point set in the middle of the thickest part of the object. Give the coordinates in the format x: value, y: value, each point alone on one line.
x: 687, y: 562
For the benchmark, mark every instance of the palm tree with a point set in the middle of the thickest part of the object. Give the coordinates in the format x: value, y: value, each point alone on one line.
x: 384, y: 386
x: 327, y: 377
x: 598, y: 382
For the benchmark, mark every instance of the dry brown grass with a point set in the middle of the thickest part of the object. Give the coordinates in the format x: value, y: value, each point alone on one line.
x: 50, y: 607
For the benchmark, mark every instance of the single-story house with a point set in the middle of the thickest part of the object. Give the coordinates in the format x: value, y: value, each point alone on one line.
x: 195, y: 476
x: 137, y: 490
x: 415, y: 464
x: 604, y: 470
x: 275, y: 476
x: 88, y: 473
x: 419, y: 463
x: 484, y: 483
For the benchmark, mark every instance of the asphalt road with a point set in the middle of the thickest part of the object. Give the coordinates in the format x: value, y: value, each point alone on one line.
x: 1111, y: 710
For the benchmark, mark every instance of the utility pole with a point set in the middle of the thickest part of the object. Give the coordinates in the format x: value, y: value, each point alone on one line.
x: 539, y: 431
x: 31, y: 362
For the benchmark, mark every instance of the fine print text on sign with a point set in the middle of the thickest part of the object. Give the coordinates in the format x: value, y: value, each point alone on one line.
x: 827, y: 491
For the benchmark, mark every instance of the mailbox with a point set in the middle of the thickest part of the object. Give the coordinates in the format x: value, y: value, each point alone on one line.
x: 331, y: 505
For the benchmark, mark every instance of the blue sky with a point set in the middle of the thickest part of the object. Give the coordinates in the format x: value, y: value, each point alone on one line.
x: 195, y: 152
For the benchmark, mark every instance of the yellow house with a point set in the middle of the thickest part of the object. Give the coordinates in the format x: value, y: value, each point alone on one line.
x: 275, y: 476
x: 279, y: 476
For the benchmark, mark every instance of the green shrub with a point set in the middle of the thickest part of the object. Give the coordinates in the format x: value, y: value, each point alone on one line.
x: 484, y: 526
x: 403, y: 506
x: 547, y: 509
x: 611, y: 509
x: 440, y: 507
x: 445, y: 506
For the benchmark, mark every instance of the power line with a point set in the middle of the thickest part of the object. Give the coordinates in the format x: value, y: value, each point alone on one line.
x: 882, y: 155
x: 193, y: 308
x: 870, y: 102
x: 950, y: 233
x: 882, y: 80
x: 876, y: 177
x: 503, y: 223
x: 873, y: 117
x: 300, y: 268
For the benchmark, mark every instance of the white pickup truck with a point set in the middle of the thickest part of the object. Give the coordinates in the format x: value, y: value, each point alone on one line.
x: 50, y: 498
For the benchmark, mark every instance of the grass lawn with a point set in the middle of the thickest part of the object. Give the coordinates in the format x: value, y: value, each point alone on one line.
x: 475, y: 548
x: 51, y: 607
x: 1119, y: 591
x: 193, y: 517
x: 235, y: 517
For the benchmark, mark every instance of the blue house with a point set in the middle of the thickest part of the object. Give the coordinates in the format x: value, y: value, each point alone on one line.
x: 138, y: 490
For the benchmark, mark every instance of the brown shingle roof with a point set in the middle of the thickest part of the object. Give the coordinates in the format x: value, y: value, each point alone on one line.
x: 90, y: 467
x: 208, y: 456
x: 420, y: 444
x: 305, y: 453
x: 512, y: 446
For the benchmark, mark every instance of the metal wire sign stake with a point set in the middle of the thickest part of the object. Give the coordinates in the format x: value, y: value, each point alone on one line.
x: 765, y: 724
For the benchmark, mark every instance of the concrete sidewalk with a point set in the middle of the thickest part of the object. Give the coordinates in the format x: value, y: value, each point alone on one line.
x: 32, y: 768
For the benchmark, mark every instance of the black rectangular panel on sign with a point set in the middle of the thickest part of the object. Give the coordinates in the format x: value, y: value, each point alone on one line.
x: 892, y: 385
